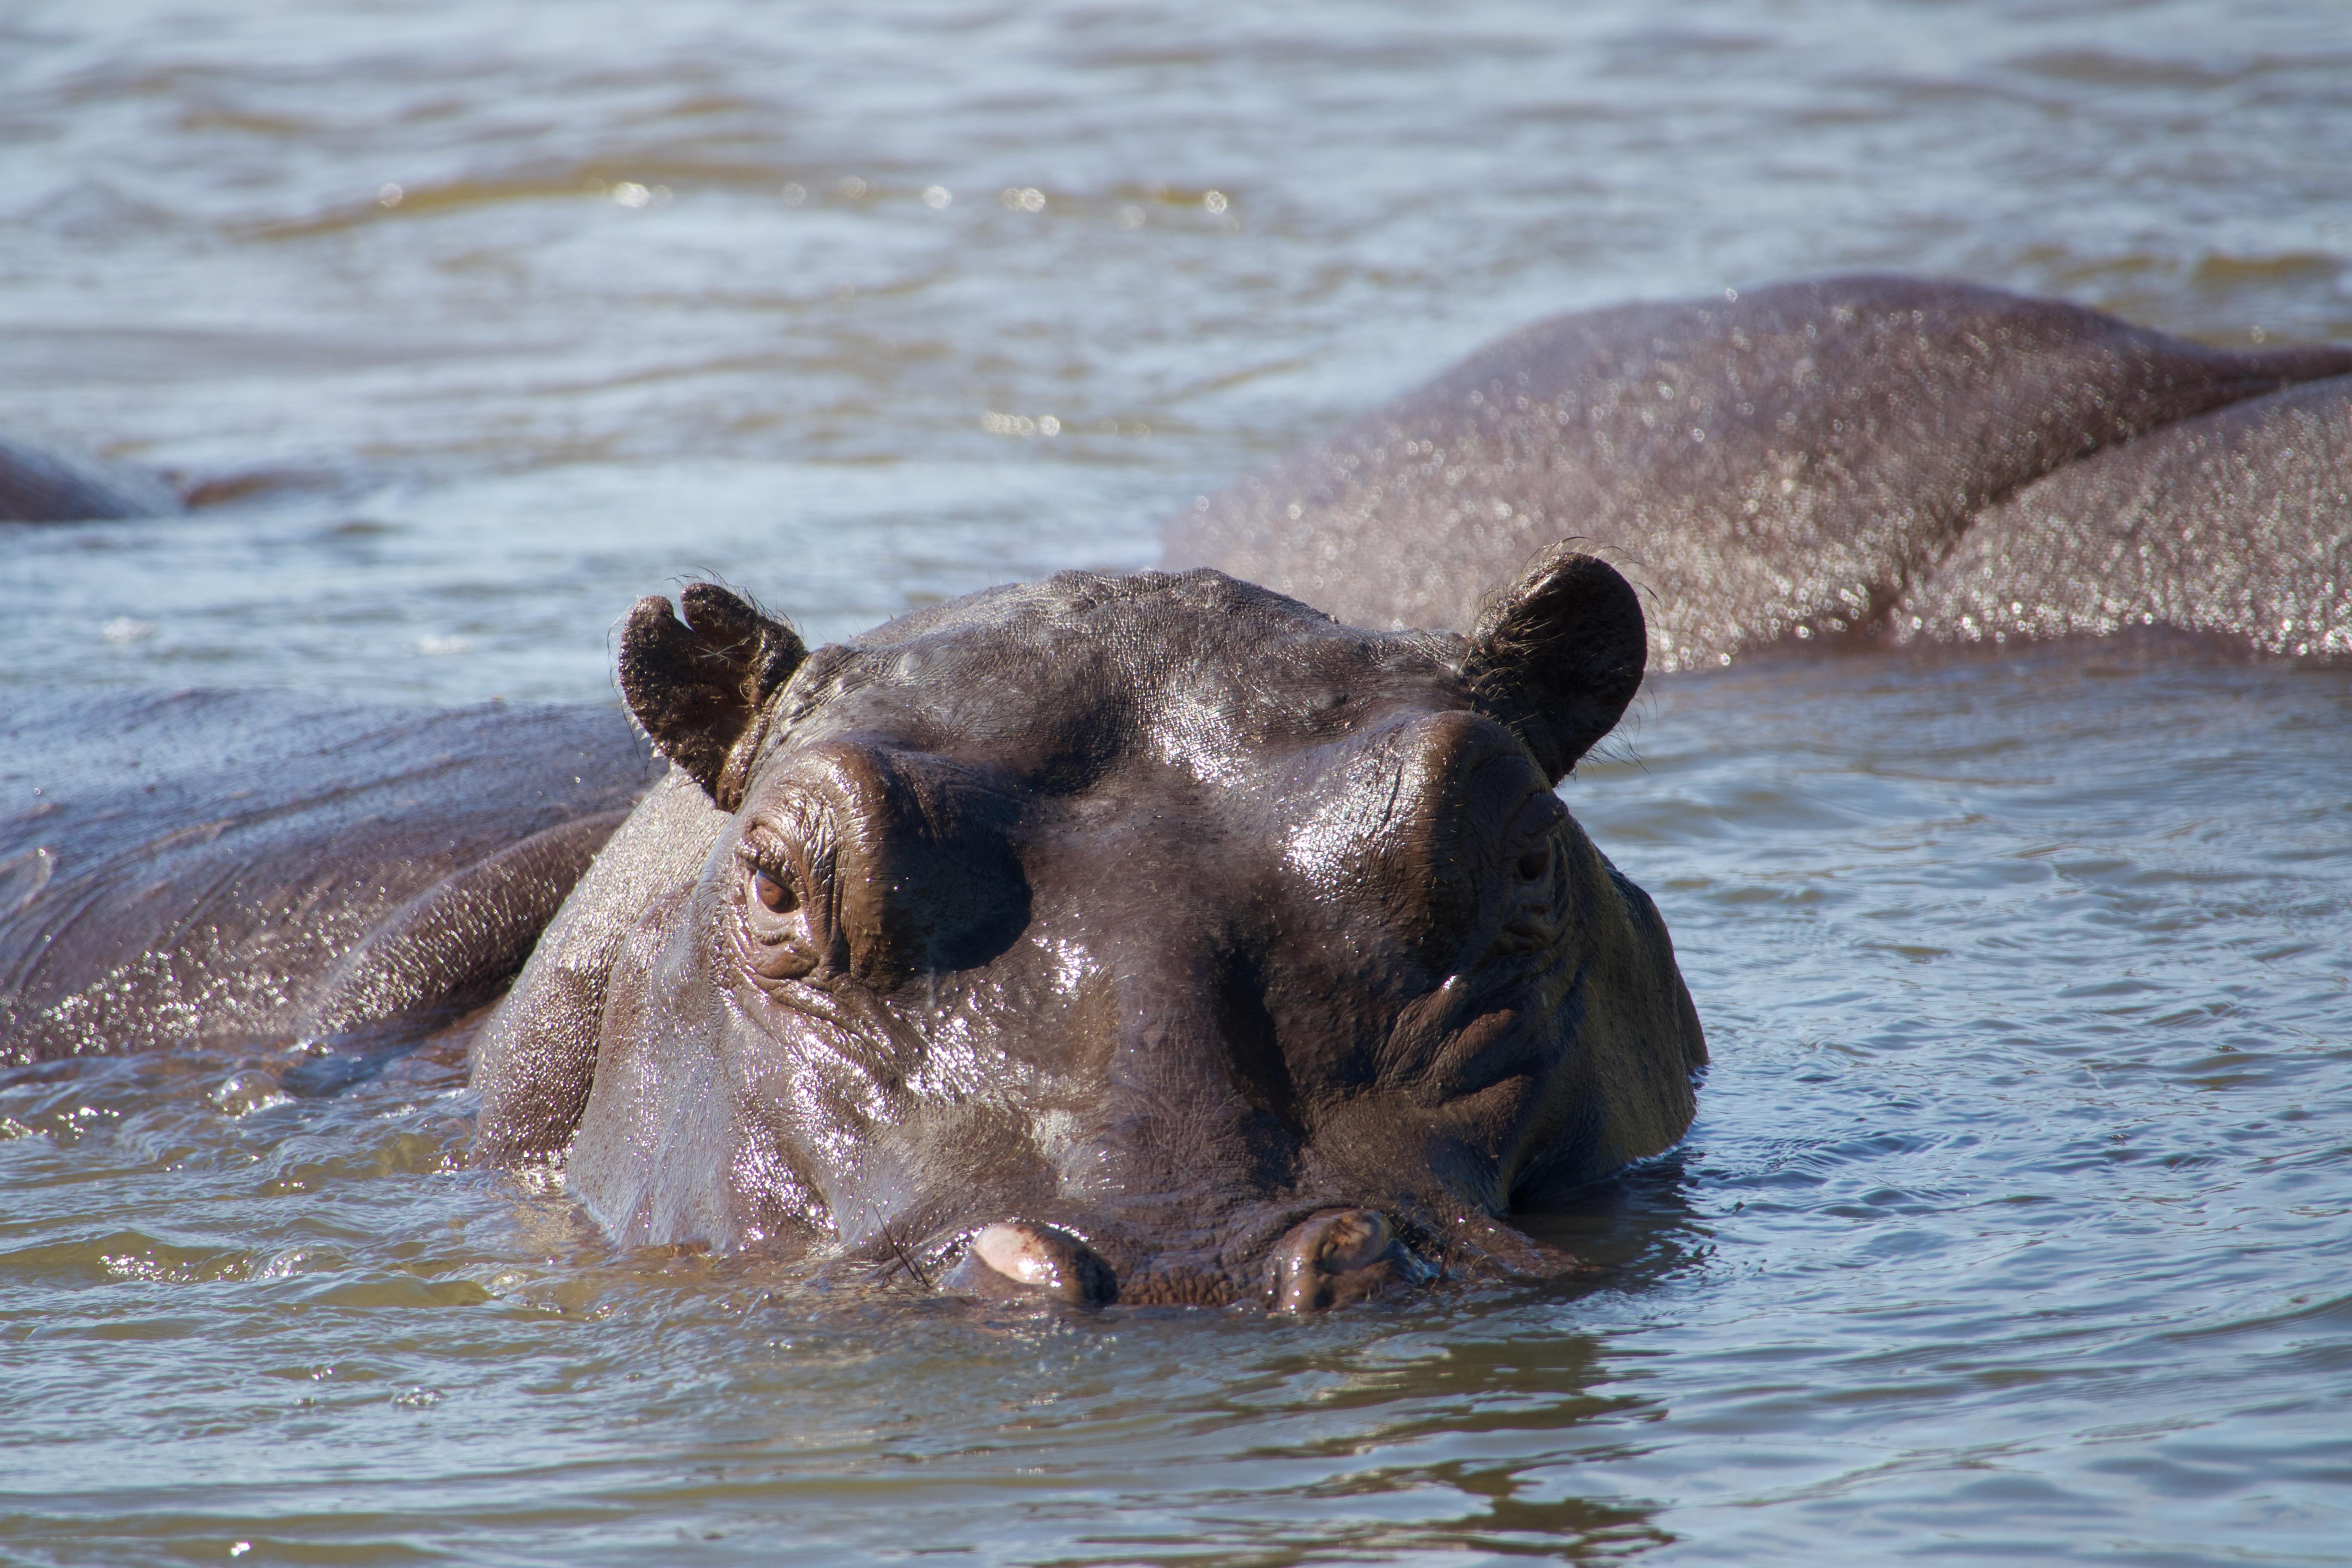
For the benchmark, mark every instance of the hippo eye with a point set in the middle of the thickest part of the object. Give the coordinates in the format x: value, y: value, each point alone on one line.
x: 774, y: 892
x: 1532, y: 829
x: 782, y: 940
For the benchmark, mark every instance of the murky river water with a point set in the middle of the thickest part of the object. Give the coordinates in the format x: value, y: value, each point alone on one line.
x: 2017, y: 1223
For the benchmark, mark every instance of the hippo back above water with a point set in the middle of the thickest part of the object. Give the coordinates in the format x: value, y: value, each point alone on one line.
x: 1860, y: 456
x: 1148, y: 939
x: 201, y: 868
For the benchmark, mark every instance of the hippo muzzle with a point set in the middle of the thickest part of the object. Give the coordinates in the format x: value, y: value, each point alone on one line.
x: 1151, y: 940
x: 1329, y: 1259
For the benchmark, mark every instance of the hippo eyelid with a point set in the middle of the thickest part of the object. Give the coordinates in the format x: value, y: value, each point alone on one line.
x: 760, y: 854
x: 755, y: 859
x: 1535, y: 824
x: 799, y: 851
x: 786, y: 941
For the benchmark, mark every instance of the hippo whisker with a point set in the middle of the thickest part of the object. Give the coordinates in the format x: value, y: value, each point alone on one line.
x: 900, y: 1259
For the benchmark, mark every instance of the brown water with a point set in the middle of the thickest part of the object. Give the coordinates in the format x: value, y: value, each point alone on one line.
x: 2017, y: 1225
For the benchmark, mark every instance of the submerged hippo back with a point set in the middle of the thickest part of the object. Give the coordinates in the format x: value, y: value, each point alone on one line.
x: 202, y: 865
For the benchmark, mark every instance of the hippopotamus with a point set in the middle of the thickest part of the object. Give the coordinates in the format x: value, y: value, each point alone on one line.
x: 1148, y: 939
x: 1852, y: 457
x: 48, y: 485
x: 1173, y: 938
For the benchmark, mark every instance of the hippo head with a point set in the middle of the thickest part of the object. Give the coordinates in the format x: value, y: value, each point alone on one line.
x: 1148, y: 939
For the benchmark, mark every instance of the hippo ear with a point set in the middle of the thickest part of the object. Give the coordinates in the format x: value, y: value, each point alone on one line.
x: 700, y: 684
x: 1558, y: 654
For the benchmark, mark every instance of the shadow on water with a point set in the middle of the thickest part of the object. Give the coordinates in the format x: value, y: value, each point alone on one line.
x: 1635, y: 1230
x: 1441, y: 1425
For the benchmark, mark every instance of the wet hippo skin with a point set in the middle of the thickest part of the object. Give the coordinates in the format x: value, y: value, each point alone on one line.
x: 2236, y: 524
x: 194, y: 866
x: 1153, y: 939
x: 1794, y: 462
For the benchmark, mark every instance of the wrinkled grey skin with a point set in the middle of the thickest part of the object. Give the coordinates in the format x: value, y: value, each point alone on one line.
x: 1151, y: 939
x: 2237, y: 524
x: 39, y: 485
x: 209, y: 868
x: 1806, y: 461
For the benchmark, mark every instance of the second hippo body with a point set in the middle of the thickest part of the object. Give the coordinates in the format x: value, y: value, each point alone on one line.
x: 1804, y: 460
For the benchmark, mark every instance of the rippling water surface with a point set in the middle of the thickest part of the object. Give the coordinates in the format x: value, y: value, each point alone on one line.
x: 2017, y: 1223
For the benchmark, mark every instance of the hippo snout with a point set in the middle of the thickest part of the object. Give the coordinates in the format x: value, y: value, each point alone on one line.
x: 1333, y: 1257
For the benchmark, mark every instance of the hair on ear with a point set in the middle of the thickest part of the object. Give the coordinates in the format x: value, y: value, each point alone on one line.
x: 1558, y: 654
x: 700, y: 681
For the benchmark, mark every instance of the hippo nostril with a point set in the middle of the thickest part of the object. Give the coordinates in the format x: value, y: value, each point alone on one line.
x: 1349, y: 1241
x: 1013, y: 1257
x: 1334, y: 1257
